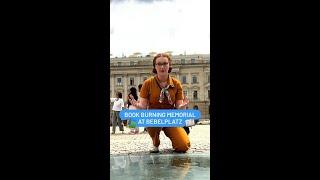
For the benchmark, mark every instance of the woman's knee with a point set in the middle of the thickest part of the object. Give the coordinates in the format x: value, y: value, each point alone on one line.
x: 182, y: 146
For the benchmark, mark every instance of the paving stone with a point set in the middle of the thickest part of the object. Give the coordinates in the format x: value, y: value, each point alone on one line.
x: 141, y: 143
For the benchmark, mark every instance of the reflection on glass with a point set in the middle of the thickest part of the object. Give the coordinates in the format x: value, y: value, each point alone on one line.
x: 119, y: 162
x: 160, y: 166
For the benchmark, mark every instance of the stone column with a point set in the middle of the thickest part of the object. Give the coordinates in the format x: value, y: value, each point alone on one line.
x: 112, y: 82
x: 125, y: 84
x: 202, y: 83
x: 137, y: 79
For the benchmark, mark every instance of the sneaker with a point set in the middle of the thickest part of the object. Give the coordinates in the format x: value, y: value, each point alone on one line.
x: 154, y: 150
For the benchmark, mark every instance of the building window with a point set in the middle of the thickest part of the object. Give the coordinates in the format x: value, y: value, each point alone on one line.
x: 184, y: 79
x: 194, y: 79
x: 208, y: 78
x: 119, y: 63
x: 145, y: 78
x: 185, y: 93
x: 208, y: 94
x: 131, y: 81
x: 119, y: 83
x: 193, y: 60
x: 195, y: 95
x: 131, y: 63
x: 183, y: 61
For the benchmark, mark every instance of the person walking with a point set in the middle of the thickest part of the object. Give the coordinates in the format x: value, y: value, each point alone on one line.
x: 118, y: 104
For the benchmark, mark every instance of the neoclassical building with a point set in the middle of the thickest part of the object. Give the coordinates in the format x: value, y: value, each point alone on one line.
x: 192, y: 70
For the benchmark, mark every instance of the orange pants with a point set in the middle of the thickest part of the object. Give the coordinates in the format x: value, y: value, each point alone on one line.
x: 178, y: 136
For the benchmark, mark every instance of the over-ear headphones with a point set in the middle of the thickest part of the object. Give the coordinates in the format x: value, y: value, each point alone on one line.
x: 161, y: 55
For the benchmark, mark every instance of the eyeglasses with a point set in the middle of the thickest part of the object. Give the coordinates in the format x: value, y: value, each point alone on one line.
x: 162, y: 64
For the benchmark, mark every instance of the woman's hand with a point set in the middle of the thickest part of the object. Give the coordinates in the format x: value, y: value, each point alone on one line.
x: 132, y: 100
x: 184, y: 103
x: 140, y: 104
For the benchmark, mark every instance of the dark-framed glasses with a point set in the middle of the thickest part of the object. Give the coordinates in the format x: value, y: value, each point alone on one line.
x: 162, y: 64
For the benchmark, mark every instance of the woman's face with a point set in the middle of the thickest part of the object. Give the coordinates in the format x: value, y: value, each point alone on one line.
x: 162, y: 65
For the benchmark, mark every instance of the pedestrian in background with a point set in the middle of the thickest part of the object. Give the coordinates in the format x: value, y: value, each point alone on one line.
x: 139, y: 89
x: 132, y: 124
x: 118, y: 104
x: 186, y: 128
x: 195, y: 107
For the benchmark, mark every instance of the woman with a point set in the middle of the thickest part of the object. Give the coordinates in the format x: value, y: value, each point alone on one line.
x: 133, y: 128
x: 164, y: 92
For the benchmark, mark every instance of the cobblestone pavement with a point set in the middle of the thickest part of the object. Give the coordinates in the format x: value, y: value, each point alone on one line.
x: 139, y: 144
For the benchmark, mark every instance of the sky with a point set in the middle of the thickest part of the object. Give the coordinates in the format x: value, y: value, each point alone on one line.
x: 180, y: 26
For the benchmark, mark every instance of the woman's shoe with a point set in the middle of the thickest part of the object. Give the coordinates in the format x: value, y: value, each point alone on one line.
x: 154, y: 150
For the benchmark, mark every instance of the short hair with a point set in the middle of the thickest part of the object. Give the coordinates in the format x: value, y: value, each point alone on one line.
x: 161, y: 55
x: 119, y: 95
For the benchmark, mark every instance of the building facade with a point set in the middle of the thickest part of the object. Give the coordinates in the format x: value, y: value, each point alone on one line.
x: 193, y: 71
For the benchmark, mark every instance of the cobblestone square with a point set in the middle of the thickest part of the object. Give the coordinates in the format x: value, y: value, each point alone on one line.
x: 139, y: 144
